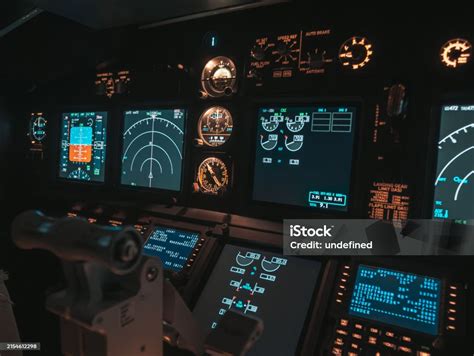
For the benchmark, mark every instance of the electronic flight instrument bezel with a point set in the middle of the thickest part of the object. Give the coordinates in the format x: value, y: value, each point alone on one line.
x: 273, y: 211
x: 55, y: 142
x: 453, y: 295
x: 313, y: 316
x: 464, y: 98
x: 120, y: 114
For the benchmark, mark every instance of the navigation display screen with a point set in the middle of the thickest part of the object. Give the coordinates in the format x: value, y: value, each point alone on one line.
x: 304, y: 156
x: 265, y: 285
x: 454, y: 182
x: 152, y: 153
x: 172, y: 246
x: 397, y: 298
x: 83, y: 146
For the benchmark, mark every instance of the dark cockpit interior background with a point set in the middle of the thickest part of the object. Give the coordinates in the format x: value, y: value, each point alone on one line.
x: 316, y: 111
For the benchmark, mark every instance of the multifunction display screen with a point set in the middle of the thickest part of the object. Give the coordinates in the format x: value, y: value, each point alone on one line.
x: 304, y: 156
x: 172, y: 246
x: 263, y: 284
x: 83, y: 146
x: 454, y: 182
x: 152, y: 153
x: 397, y: 298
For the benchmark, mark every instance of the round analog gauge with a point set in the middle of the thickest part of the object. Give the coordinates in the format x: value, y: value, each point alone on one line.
x: 79, y: 174
x: 456, y: 52
x: 215, y: 126
x: 355, y: 52
x: 213, y: 176
x: 218, y: 77
x: 38, y: 128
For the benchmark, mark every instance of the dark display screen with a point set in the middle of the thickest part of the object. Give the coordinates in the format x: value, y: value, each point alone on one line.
x: 454, y: 182
x: 397, y: 298
x: 172, y: 246
x: 276, y: 289
x: 304, y: 156
x: 152, y: 154
x: 83, y: 146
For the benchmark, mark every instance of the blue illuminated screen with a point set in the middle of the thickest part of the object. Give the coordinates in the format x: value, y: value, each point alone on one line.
x: 83, y: 146
x: 172, y: 246
x: 454, y: 182
x: 397, y: 298
x: 307, y: 152
x: 278, y: 289
x: 152, y: 153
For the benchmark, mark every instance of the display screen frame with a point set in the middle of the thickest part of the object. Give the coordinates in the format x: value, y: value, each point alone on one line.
x: 120, y: 145
x: 287, y: 210
x: 312, y: 322
x: 435, y: 112
x: 441, y: 297
x: 196, y: 249
x: 58, y: 114
x: 427, y: 199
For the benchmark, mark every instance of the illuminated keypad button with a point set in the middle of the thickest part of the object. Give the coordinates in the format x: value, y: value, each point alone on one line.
x: 423, y: 353
x: 339, y: 341
x: 372, y: 340
x: 352, y: 354
x: 407, y: 339
x: 343, y: 322
x: 357, y: 336
x: 336, y: 351
x: 355, y: 346
x: 374, y: 330
x: 358, y: 326
x: 405, y: 349
x: 390, y: 334
x: 389, y: 345
x: 342, y: 332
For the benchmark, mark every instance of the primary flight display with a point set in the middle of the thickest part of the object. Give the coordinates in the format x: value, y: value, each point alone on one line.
x: 83, y: 146
x: 152, y: 151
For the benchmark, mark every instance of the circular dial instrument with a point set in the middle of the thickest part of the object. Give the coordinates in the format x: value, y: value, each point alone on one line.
x: 271, y: 124
x: 219, y: 77
x: 286, y: 50
x: 213, y: 176
x: 79, y: 174
x: 456, y: 52
x: 355, y: 52
x: 38, y: 128
x: 215, y: 126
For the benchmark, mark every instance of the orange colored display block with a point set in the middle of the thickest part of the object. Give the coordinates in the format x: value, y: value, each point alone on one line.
x: 80, y: 153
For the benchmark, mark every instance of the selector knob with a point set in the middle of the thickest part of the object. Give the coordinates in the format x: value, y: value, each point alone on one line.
x: 258, y: 53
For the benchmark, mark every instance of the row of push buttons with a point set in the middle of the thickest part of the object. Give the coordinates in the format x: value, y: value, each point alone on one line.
x: 353, y: 338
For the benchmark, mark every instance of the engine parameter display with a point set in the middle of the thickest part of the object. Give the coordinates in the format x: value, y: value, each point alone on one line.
x: 304, y: 156
x: 152, y: 154
x: 173, y: 247
x: 83, y: 146
x: 397, y: 298
x: 454, y: 182
x: 263, y: 284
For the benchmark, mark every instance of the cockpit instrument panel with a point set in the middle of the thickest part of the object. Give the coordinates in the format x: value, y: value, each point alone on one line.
x: 454, y: 181
x: 152, y: 148
x: 259, y: 283
x: 304, y: 154
x: 213, y: 176
x: 83, y: 146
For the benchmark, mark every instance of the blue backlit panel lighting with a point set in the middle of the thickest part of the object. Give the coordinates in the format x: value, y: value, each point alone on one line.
x: 275, y: 288
x: 172, y: 246
x: 397, y: 298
